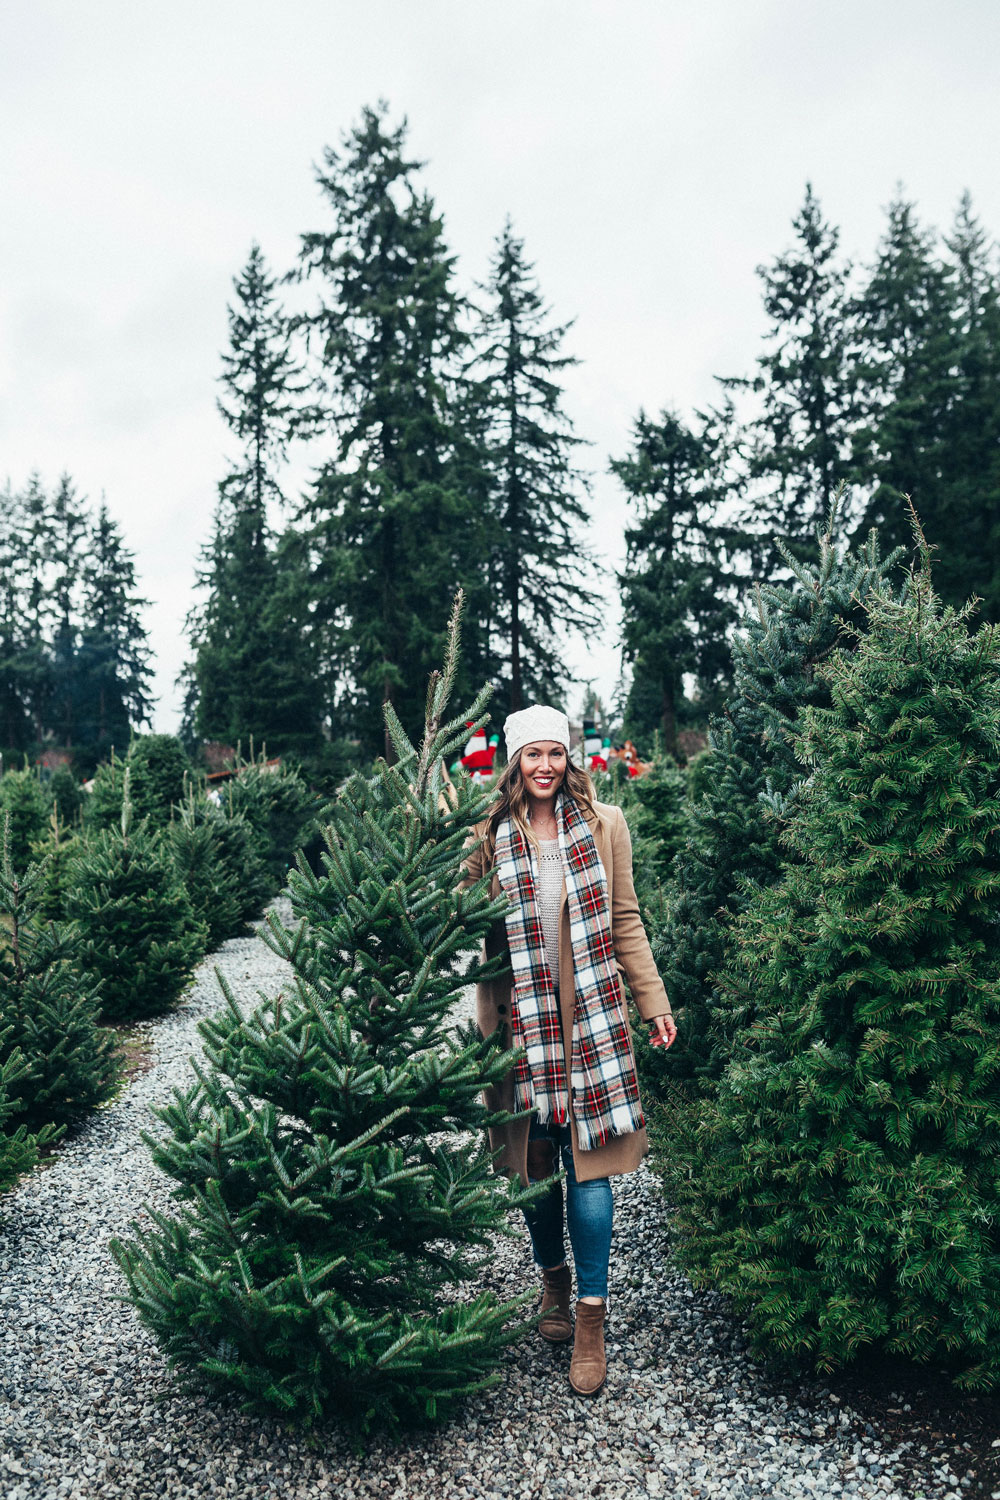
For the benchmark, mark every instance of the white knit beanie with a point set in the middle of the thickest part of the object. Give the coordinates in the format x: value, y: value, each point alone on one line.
x: 539, y: 722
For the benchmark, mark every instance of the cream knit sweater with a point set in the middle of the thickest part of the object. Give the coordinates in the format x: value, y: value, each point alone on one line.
x: 551, y: 880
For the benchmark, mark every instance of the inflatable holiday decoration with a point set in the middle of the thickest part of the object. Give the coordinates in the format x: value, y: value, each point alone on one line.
x: 594, y: 754
x: 479, y: 755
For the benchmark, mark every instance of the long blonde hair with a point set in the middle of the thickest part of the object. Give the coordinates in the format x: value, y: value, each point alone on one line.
x: 512, y: 801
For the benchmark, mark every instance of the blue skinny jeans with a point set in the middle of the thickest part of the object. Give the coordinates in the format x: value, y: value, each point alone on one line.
x: 589, y: 1212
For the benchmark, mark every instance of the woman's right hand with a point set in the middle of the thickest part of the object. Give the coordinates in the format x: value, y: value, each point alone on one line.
x: 662, y: 1031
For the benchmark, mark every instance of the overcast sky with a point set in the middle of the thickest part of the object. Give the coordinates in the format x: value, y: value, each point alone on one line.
x: 650, y: 152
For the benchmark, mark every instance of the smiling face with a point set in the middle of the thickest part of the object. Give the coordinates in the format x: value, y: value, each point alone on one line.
x: 543, y: 769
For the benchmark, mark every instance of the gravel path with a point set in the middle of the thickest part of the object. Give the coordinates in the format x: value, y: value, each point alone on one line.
x: 88, y: 1408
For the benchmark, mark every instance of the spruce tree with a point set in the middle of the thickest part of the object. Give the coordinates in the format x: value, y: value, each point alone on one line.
x: 114, y: 658
x: 24, y: 812
x: 732, y: 846
x: 74, y: 663
x: 65, y: 794
x: 18, y: 1148
x: 238, y: 849
x: 48, y: 1010
x: 335, y: 1191
x: 25, y: 658
x: 103, y: 805
x: 392, y: 521
x: 280, y: 810
x: 157, y: 767
x: 904, y: 322
x: 658, y: 822
x: 674, y: 596
x: 68, y: 525
x: 253, y: 672
x: 55, y: 855
x: 969, y: 551
x: 139, y: 934
x: 542, y: 576
x: 797, y: 440
x: 842, y: 1184
x: 212, y: 885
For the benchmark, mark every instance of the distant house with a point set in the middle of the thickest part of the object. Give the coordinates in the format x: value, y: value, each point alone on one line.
x: 218, y: 756
x: 691, y: 742
x: 216, y: 778
x: 51, y: 760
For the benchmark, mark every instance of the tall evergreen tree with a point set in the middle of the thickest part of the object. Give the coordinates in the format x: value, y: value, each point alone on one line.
x: 540, y: 568
x: 263, y: 401
x: 798, y: 441
x: 74, y: 663
x: 25, y: 619
x: 674, y: 595
x: 69, y: 524
x: 973, y: 427
x: 904, y: 319
x: 115, y: 658
x: 253, y: 672
x: 14, y: 725
x: 392, y: 522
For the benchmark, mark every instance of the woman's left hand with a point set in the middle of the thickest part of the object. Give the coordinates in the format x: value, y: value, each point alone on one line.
x: 662, y: 1031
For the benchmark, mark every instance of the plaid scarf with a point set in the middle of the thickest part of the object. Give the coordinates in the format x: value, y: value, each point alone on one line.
x: 603, y: 1084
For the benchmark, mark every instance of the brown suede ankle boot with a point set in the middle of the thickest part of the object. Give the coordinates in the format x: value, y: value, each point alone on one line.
x: 555, y: 1324
x: 588, y: 1367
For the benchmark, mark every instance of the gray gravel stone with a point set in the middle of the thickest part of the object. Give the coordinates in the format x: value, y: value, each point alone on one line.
x: 89, y: 1408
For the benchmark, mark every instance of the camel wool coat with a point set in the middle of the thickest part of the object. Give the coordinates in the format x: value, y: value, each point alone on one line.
x: 634, y: 959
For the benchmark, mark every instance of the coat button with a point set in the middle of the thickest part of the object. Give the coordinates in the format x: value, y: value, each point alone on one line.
x: 501, y: 1010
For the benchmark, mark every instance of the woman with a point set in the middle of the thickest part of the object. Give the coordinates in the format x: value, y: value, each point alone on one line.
x: 564, y: 861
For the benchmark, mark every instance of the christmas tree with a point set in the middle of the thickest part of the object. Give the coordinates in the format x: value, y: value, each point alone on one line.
x: 239, y: 854
x: 212, y: 885
x: 280, y: 809
x: 18, y: 1148
x: 732, y: 848
x: 158, y: 770
x: 337, y: 1197
x: 24, y: 813
x: 65, y: 795
x: 55, y: 855
x: 842, y: 1183
x: 139, y: 934
x: 49, y: 1009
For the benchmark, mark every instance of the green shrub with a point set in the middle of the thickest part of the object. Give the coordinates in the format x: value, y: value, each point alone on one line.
x: 103, y: 805
x: 22, y: 801
x: 18, y: 1148
x: 140, y: 936
x: 658, y: 822
x: 281, y: 811
x: 239, y: 854
x: 334, y: 1189
x: 842, y: 1185
x: 49, y: 1012
x: 55, y: 854
x: 66, y: 795
x: 701, y: 770
x: 212, y: 886
x: 158, y: 768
